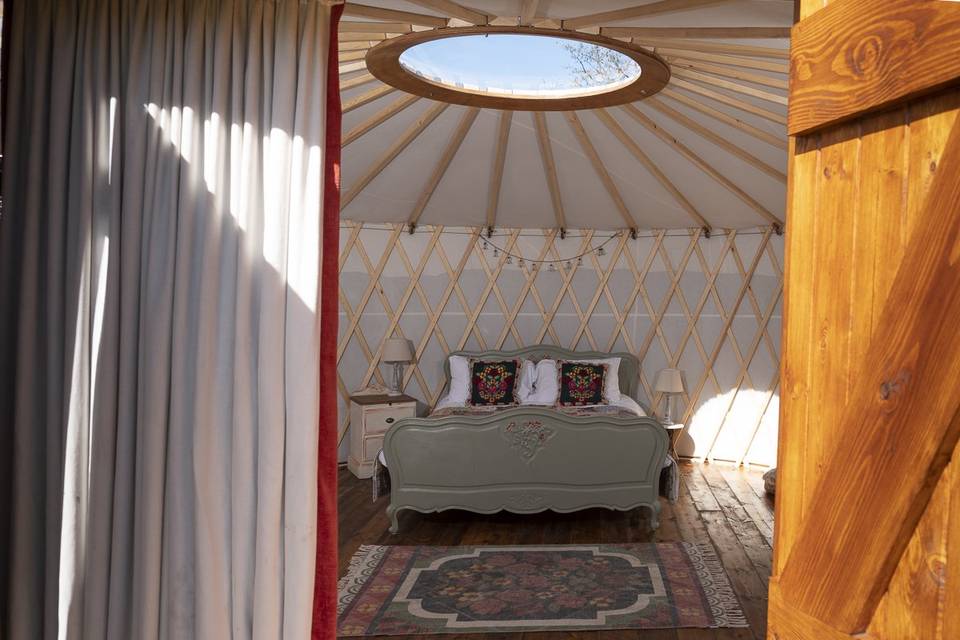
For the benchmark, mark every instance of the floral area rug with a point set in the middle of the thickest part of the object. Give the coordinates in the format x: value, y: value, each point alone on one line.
x: 424, y: 590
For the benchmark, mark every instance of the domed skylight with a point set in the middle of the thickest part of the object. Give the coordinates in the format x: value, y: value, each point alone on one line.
x: 516, y: 65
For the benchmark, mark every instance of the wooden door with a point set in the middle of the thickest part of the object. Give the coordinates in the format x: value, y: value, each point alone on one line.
x: 867, y: 540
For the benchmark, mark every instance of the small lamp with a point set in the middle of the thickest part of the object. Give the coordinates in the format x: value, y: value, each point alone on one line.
x: 397, y: 351
x: 669, y: 382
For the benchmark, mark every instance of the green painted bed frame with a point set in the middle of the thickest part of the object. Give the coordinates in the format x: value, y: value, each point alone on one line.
x: 527, y: 459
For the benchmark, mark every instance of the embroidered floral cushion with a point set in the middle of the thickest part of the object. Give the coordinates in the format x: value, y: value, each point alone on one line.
x: 493, y: 383
x: 581, y: 383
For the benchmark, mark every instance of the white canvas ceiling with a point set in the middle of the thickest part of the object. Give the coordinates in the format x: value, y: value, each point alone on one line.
x: 734, y: 178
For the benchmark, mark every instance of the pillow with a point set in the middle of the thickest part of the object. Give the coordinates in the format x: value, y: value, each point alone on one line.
x: 528, y: 379
x: 581, y: 384
x: 611, y: 384
x: 546, y: 384
x: 459, y: 391
x: 493, y: 382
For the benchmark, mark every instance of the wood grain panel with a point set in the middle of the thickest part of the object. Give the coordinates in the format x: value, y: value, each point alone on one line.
x: 912, y: 605
x: 860, y: 55
x: 898, y: 155
x: 901, y: 151
x: 869, y: 526
x: 951, y: 590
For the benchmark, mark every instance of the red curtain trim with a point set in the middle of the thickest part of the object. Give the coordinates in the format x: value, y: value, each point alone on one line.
x: 325, y: 583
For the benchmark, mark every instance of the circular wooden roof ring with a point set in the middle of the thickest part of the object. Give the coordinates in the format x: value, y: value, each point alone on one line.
x: 383, y: 61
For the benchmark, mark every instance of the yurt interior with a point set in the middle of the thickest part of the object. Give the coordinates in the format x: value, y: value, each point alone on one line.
x: 509, y: 195
x: 513, y: 319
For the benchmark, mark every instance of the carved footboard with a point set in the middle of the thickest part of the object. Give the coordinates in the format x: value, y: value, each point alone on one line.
x: 524, y: 460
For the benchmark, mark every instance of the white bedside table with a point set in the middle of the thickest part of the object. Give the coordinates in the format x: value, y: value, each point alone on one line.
x: 370, y: 417
x: 674, y: 431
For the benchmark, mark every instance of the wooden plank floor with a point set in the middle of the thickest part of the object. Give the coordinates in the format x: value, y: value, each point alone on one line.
x: 718, y: 503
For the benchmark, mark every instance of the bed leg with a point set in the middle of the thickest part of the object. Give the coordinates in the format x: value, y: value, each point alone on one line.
x: 655, y: 516
x: 392, y: 513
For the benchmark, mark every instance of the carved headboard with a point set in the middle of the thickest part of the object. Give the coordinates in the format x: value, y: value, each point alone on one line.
x: 628, y: 372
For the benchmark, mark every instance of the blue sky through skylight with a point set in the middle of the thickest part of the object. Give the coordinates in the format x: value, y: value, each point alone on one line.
x: 516, y: 63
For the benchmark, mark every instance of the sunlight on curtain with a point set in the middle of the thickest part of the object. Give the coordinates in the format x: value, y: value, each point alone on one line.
x: 289, y: 197
x: 164, y: 263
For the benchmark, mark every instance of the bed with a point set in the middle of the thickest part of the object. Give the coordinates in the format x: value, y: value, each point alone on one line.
x: 527, y: 459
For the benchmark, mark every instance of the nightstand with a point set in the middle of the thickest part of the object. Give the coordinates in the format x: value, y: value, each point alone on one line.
x: 674, y: 431
x: 370, y: 417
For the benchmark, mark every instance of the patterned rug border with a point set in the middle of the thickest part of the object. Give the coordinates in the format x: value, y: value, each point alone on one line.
x: 724, y: 604
x: 363, y: 564
x: 723, y: 601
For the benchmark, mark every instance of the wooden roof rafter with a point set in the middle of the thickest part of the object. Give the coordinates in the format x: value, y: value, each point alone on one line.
x: 351, y: 67
x: 408, y: 136
x: 721, y: 116
x: 367, y: 97
x: 736, y: 87
x: 355, y: 46
x: 377, y: 13
x: 702, y: 164
x: 367, y: 36
x: 377, y: 27
x: 550, y: 170
x: 696, y: 32
x: 729, y: 72
x: 443, y: 163
x: 357, y: 81
x: 453, y: 10
x: 688, y: 55
x: 496, y: 173
x: 528, y: 11
x: 723, y: 98
x: 350, y: 56
x: 641, y: 11
x: 581, y: 134
x: 379, y: 118
x: 716, y: 139
x: 631, y: 145
x: 713, y: 47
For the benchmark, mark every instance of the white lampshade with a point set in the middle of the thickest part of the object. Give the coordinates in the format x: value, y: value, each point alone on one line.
x: 396, y: 350
x: 669, y: 381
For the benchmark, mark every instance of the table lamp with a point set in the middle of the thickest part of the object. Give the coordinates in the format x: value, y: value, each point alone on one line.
x: 396, y: 351
x: 669, y: 382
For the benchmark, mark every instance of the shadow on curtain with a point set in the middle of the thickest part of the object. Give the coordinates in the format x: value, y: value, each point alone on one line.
x: 159, y: 275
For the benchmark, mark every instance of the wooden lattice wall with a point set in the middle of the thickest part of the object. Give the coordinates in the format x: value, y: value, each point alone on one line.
x: 710, y: 306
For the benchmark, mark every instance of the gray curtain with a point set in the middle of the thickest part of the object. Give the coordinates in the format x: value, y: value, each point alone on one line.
x: 159, y: 251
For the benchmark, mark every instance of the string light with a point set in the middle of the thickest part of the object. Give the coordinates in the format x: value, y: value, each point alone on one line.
x: 568, y: 261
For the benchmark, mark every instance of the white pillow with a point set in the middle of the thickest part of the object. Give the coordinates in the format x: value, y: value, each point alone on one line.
x: 459, y: 392
x: 611, y: 379
x: 528, y: 378
x: 546, y: 384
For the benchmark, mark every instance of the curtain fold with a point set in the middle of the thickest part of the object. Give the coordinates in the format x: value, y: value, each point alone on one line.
x: 160, y: 334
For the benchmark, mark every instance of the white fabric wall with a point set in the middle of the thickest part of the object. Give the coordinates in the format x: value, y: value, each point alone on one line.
x: 726, y: 337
